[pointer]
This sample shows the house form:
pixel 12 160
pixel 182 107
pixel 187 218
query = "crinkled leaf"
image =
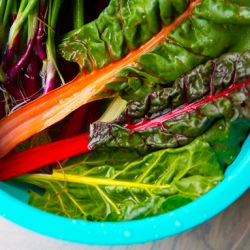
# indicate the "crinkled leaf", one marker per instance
pixel 237 11
pixel 204 113
pixel 153 184
pixel 175 116
pixel 123 25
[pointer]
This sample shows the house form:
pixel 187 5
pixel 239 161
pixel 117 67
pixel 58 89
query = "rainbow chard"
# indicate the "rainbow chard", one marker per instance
pixel 173 117
pixel 164 152
pixel 192 33
pixel 133 54
pixel 98 188
pixel 186 80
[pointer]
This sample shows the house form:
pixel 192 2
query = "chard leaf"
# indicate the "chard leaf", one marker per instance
pixel 150 185
pixel 172 117
pixel 175 35
pixel 237 11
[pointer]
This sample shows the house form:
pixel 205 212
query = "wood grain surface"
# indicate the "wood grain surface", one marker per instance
pixel 228 230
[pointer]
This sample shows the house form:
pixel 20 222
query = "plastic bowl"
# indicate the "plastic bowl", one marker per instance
pixel 14 207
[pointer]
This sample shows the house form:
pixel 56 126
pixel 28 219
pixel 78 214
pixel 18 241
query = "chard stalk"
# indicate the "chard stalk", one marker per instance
pixel 2 9
pixel 7 9
pixel 22 15
pixel 25 56
pixel 115 108
pixel 40 33
pixel 78 13
pixel 50 67
pixel 24 10
pixel 2 75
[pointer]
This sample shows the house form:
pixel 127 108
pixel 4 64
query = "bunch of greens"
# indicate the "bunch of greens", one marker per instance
pixel 180 84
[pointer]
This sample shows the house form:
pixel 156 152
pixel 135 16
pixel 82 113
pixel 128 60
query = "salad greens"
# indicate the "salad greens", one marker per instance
pixel 179 72
pixel 122 184
pixel 174 116
pixel 206 34
pixel 97 189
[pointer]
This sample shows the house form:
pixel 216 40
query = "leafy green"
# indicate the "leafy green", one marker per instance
pixel 175 116
pixel 211 29
pixel 156 183
pixel 172 144
pixel 123 25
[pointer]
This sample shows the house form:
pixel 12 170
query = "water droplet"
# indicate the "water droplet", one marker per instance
pixel 127 233
pixel 171 214
pixel 156 236
pixel 177 223
pixel 74 221
pixel 152 219
pixel 186 211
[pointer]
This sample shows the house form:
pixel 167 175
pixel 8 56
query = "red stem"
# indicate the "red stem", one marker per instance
pixel 187 108
pixel 22 162
pixel 18 163
pixel 74 125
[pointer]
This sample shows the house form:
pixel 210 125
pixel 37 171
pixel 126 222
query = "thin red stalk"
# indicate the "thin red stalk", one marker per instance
pixel 40 33
pixel 22 162
pixel 187 108
pixel 10 51
pixel 31 77
pixel 74 125
pixel 54 106
pixel 12 88
pixel 24 58
pixel 39 44
pixel 79 120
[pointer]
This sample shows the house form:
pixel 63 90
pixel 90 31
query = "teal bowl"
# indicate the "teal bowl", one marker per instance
pixel 14 207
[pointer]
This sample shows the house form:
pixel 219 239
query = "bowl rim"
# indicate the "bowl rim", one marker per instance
pixel 136 231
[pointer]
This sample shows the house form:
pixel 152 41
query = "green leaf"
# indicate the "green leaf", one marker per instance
pixel 149 185
pixel 227 12
pixel 213 28
pixel 123 25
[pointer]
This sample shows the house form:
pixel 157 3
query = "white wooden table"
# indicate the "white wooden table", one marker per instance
pixel 228 230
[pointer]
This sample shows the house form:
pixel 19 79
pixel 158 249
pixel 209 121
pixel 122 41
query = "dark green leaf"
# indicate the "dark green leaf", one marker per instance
pixel 175 116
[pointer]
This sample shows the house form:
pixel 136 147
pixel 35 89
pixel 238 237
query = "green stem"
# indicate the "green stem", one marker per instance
pixel 78 13
pixel 2 76
pixel 8 10
pixel 2 10
pixel 32 23
pixel 22 6
pixel 22 15
pixel 54 8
